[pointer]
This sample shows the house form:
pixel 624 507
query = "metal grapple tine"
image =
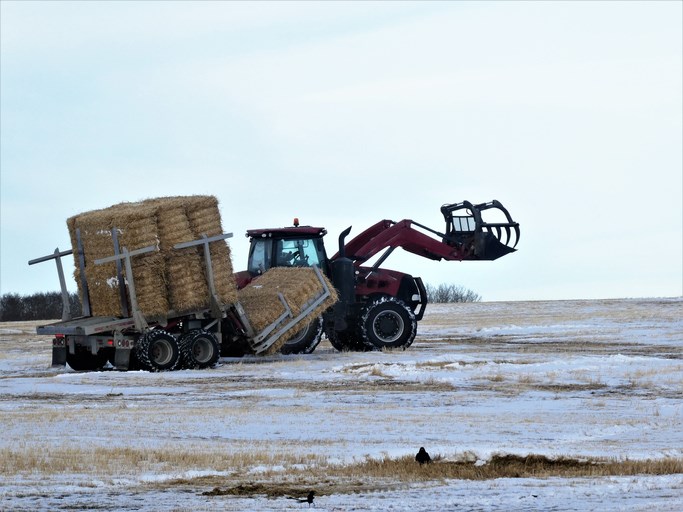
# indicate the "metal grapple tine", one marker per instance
pixel 516 236
pixel 507 232
pixel 498 233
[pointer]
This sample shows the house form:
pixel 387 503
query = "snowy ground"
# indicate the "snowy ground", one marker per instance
pixel 564 378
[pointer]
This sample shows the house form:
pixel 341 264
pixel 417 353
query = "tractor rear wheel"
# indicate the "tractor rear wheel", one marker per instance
pixel 305 341
pixel 157 350
pixel 199 349
pixel 387 322
pixel 346 341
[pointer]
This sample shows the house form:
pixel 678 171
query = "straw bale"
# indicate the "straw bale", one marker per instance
pixel 150 285
pixel 185 281
pixel 136 229
pixel 205 219
pixel 168 280
pixel 299 286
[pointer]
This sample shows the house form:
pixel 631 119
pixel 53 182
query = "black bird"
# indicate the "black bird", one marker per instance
pixel 422 456
pixel 308 499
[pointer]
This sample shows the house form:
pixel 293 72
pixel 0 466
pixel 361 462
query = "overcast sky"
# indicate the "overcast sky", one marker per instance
pixel 346 113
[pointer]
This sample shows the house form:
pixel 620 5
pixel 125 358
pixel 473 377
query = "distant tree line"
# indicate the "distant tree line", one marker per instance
pixel 445 293
pixel 39 306
pixel 48 305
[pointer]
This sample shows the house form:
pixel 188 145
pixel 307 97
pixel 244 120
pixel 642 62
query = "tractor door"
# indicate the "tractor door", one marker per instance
pixel 260 256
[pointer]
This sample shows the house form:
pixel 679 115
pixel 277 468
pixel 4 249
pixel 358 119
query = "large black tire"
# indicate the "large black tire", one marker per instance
pixel 157 351
pixel 305 341
pixel 387 322
pixel 199 349
pixel 346 341
pixel 84 360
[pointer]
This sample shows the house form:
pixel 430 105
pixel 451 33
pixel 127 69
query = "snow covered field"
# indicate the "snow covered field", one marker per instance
pixel 574 379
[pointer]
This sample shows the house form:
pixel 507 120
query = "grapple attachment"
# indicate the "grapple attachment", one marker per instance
pixel 479 239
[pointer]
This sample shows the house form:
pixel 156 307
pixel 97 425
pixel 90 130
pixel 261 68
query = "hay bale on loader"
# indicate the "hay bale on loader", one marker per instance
pixel 167 280
pixel 300 288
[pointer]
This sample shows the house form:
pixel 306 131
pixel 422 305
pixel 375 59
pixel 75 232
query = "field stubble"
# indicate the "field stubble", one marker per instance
pixel 493 387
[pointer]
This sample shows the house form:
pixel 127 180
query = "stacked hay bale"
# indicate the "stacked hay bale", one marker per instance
pixel 204 218
pixel 185 282
pixel 300 287
pixel 166 280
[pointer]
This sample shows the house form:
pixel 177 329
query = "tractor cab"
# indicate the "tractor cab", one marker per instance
pixel 296 246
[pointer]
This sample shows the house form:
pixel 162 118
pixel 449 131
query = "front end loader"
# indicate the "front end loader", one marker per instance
pixel 379 308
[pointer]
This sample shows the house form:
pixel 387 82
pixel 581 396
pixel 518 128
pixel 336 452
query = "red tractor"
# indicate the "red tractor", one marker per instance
pixel 378 308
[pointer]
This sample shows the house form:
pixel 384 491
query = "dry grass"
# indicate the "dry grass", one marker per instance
pixel 129 460
pixel 514 466
pixel 290 466
pixel 373 474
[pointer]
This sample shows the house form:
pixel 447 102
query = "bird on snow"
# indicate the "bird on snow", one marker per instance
pixel 308 499
pixel 422 456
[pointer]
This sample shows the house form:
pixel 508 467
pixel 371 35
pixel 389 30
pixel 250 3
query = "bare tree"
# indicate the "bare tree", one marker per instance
pixel 445 293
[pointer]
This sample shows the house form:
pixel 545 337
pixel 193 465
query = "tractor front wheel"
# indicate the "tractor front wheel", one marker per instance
pixel 387 322
pixel 305 341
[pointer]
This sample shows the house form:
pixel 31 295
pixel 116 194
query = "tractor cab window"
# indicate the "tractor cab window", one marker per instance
pixel 296 253
pixel 259 256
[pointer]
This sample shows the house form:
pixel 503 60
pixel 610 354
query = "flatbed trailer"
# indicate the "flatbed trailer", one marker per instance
pixel 193 339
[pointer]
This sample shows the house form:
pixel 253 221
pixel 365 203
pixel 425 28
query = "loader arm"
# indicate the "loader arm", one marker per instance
pixel 389 234
pixel 467 237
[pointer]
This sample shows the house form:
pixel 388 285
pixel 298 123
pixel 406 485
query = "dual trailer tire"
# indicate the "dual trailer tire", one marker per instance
pixel 159 350
pixel 199 349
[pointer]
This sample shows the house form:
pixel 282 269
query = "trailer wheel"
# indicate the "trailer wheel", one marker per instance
pixel 84 360
pixel 387 322
pixel 199 349
pixel 157 350
pixel 305 341
pixel 346 341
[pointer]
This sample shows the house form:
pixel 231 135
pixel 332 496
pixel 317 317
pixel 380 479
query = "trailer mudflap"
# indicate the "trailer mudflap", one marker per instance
pixel 122 358
pixel 58 356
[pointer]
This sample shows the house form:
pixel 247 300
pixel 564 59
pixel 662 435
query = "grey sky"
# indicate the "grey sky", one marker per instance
pixel 569 113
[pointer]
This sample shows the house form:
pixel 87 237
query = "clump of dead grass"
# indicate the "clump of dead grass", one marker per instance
pixel 128 460
pixel 263 472
pixel 383 473
pixel 511 466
